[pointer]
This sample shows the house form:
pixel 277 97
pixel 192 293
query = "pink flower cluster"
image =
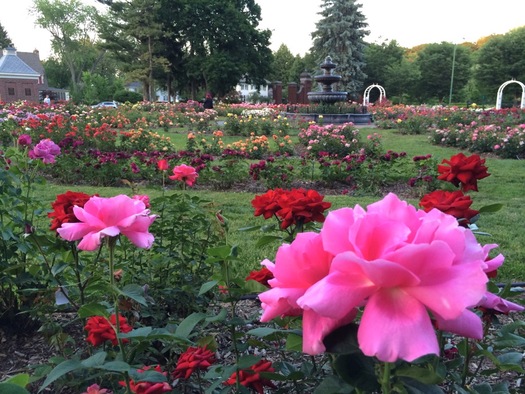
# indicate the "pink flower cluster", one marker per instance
pixel 46 150
pixel 407 270
pixel 108 217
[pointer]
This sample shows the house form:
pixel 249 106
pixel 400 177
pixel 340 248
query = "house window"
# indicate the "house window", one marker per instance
pixel 28 91
pixel 11 91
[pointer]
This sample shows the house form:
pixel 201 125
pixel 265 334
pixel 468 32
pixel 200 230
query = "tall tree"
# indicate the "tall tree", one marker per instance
pixel 380 59
pixel 72 28
pixel 132 30
pixel 5 41
pixel 499 60
pixel 283 61
pixel 435 63
pixel 203 44
pixel 340 34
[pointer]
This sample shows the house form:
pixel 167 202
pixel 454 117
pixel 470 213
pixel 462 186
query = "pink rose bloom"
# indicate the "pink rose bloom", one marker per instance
pixel 184 173
pixel 399 264
pixel 297 267
pixel 46 150
pixel 24 140
pixel 110 217
pixel 144 198
pixel 95 389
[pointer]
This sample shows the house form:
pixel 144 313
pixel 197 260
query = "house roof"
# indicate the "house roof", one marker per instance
pixel 32 59
pixel 11 63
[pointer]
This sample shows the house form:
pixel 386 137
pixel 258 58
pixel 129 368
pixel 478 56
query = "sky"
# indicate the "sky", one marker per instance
pixel 409 22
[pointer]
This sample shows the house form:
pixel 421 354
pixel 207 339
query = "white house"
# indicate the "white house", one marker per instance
pixel 246 90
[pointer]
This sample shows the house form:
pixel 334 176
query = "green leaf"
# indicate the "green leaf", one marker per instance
pixel 92 310
pixel 343 340
pixel 60 370
pixel 22 379
pixel 416 387
pixel 490 208
pixel 221 252
pixel 142 332
pixel 294 343
pixel 147 376
pixel 221 316
pixel 207 286
pixel 247 361
pixel 334 385
pixel 249 228
pixel 135 292
pixel 357 370
pixel 11 388
pixel 115 366
pixel 267 239
pixel 58 268
pixel 262 332
pixel 187 325
pixel 426 375
pixel 95 360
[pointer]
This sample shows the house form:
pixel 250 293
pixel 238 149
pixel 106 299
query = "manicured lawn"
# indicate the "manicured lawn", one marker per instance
pixel 505 186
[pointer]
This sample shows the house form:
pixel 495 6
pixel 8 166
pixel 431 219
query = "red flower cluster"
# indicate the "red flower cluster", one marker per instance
pixel 453 203
pixel 464 171
pixel 193 358
pixel 295 206
pixel 251 377
pixel 63 208
pixel 262 276
pixel 100 329
pixel 148 387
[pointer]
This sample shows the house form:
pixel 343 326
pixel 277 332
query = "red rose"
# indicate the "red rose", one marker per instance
pixel 301 206
pixel 267 204
pixel 251 377
pixel 464 171
pixel 148 387
pixel 454 203
pixel 295 206
pixel 63 208
pixel 262 276
pixel 100 329
pixel 163 165
pixel 193 358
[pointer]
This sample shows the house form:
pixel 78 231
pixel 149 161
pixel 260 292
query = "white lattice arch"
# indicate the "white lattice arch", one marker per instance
pixel 500 93
pixel 382 93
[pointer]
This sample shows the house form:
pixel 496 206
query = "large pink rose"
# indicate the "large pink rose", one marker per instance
pixel 184 173
pixel 110 217
pixel 399 264
pixel 297 268
pixel 46 150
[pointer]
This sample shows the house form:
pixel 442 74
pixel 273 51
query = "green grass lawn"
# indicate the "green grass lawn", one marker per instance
pixel 506 185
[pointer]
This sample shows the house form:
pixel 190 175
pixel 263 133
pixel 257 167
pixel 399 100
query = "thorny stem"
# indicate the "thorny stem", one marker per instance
pixel 112 241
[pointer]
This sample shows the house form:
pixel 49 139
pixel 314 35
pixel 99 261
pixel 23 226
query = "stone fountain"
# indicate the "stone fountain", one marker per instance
pixel 327 95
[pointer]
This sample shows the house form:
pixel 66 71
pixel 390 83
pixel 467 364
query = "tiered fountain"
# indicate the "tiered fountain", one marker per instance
pixel 328 96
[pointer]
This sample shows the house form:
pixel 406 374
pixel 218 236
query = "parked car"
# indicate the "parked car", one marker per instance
pixel 106 104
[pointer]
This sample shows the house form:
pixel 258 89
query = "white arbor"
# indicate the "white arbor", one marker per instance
pixel 500 93
pixel 382 93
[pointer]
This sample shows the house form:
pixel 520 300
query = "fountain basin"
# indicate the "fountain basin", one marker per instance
pixel 357 119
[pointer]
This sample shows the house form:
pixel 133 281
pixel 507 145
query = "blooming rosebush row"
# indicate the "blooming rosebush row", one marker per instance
pixel 500 132
pixel 378 288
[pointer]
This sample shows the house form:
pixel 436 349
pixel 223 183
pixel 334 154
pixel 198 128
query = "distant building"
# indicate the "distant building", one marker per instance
pixel 22 77
pixel 161 94
pixel 246 90
pixel 18 81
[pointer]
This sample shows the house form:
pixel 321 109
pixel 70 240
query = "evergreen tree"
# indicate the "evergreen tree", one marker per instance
pixel 283 61
pixel 340 34
pixel 5 41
